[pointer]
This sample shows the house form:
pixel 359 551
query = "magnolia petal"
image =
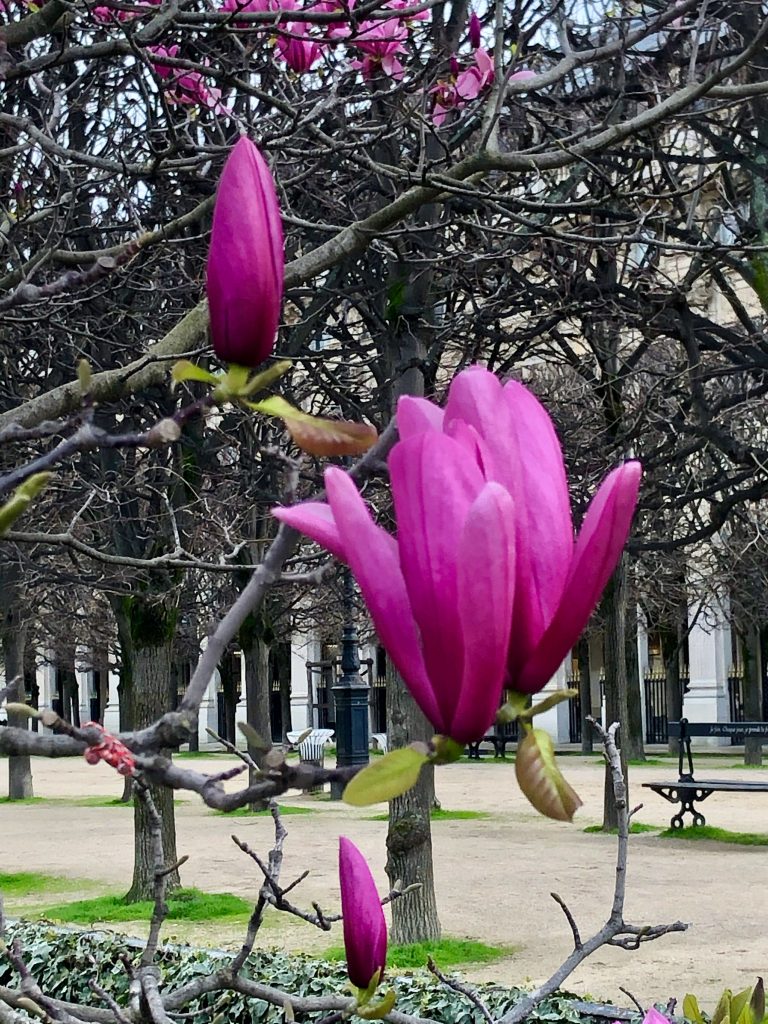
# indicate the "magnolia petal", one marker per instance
pixel 543 515
pixel 372 555
pixel 486 583
pixel 601 540
pixel 315 519
pixel 415 415
pixel 433 486
pixel 365 930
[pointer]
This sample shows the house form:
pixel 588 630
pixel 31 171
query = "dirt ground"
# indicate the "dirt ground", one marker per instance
pixel 493 876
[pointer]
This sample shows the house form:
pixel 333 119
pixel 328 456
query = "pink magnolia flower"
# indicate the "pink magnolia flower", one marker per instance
pixel 184 87
pixel 299 54
pixel 248 7
pixel 381 41
pixel 245 260
pixel 403 6
pixel 474 28
pixel 557 582
pixel 483 587
pixel 365 931
pixel 463 86
pixel 441 594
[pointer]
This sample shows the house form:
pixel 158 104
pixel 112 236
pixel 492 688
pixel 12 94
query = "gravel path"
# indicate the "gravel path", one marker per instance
pixel 493 876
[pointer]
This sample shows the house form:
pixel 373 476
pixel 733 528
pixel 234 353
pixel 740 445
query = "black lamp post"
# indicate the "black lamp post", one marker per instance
pixel 350 695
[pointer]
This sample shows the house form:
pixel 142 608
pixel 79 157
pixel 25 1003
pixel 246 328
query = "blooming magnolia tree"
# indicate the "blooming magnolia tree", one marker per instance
pixel 455 187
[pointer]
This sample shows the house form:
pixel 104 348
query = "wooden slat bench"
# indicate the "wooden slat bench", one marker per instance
pixel 688 791
pixel 498 736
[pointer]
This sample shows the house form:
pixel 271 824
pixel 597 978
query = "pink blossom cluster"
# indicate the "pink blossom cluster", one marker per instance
pixel 182 86
pixel 378 42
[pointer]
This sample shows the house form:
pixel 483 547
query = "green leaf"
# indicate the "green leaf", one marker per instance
pixel 265 378
pixel 186 370
pixel 722 1013
pixel 379 1010
pixel 549 702
pixel 385 778
pixel 21 499
pixel 540 779
pixel 316 435
pixel 739 1003
pixel 691 1009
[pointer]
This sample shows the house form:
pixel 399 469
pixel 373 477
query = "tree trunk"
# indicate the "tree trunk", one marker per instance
pixel 13 633
pixel 409 837
pixel 70 693
pixel 229 673
pixel 634 734
pixel 673 687
pixel 19 767
pixel 753 694
pixel 119 607
pixel 257 688
pixel 614 608
pixel 152 626
pixel 585 695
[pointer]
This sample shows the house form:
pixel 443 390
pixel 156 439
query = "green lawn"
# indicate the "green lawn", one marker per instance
pixel 183 905
pixel 246 812
pixel 636 828
pixel 720 835
pixel 445 953
pixel 22 884
pixel 442 815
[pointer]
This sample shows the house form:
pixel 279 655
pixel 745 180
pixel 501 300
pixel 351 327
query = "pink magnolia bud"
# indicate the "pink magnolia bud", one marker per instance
pixel 245 260
pixel 454 65
pixel 474 30
pixel 365 931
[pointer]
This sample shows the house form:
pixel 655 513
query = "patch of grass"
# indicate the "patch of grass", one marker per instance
pixel 246 812
pixel 636 828
pixel 653 762
pixel 26 800
pixel 442 815
pixel 445 953
pixel 183 905
pixel 720 835
pixel 30 883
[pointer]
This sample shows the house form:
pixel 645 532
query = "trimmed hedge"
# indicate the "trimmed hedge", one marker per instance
pixel 62 961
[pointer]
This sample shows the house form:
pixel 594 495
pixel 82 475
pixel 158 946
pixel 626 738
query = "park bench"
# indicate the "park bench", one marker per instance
pixel 498 736
pixel 688 791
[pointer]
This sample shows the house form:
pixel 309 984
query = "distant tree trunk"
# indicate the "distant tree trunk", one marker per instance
pixel 20 785
pixel 152 627
pixel 70 690
pixel 409 838
pixel 125 682
pixel 257 681
pixel 614 609
pixel 673 687
pixel 13 633
pixel 282 655
pixel 229 673
pixel 634 735
pixel 585 695
pixel 752 694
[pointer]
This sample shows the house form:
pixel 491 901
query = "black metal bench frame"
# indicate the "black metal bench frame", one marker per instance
pixel 688 791
pixel 499 740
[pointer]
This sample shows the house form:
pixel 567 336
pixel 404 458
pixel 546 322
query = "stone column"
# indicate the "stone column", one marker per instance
pixel 303 649
pixel 555 721
pixel 709 653
pixel 112 710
